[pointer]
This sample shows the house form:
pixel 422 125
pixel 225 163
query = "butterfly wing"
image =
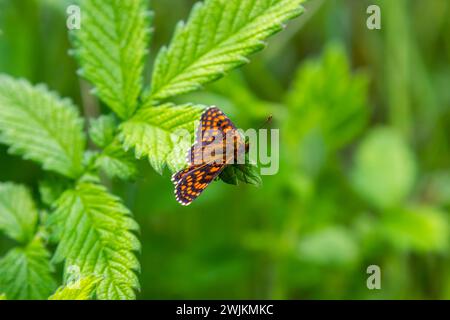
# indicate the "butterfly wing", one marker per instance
pixel 203 169
pixel 212 120
pixel 176 177
pixel 212 123
pixel 190 182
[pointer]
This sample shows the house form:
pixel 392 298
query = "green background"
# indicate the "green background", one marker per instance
pixel 364 119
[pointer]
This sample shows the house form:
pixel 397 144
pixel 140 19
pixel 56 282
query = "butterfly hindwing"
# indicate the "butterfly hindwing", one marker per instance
pixel 190 182
pixel 176 177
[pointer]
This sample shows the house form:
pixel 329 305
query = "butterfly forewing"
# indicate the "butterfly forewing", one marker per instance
pixel 211 136
pixel 212 121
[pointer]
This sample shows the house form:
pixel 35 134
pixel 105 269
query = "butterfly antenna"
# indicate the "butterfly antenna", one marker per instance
pixel 266 122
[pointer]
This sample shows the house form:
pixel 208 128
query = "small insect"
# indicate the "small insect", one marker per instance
pixel 217 144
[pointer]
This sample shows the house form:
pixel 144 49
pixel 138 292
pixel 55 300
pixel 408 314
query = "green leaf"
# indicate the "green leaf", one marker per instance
pixel 51 188
pixel 155 132
pixel 102 130
pixel 333 245
pixel 326 99
pixel 83 289
pixel 115 162
pixel 385 169
pixel 18 214
pixel 95 233
pixel 2 297
pixel 40 126
pixel 247 173
pixel 418 228
pixel 229 176
pixel 110 47
pixel 26 273
pixel 218 37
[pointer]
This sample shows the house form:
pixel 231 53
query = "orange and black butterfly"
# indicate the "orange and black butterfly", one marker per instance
pixel 217 145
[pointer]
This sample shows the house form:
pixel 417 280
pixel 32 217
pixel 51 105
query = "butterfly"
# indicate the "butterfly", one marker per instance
pixel 217 145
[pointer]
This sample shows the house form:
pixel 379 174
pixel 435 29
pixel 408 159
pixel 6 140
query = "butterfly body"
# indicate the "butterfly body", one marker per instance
pixel 217 145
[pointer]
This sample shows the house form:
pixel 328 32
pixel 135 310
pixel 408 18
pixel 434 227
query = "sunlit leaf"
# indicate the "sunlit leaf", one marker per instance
pixel 96 234
pixel 218 36
pixel 26 272
pixel 155 132
pixel 83 289
pixel 110 47
pixel 115 162
pixel 39 125
pixel 102 130
pixel 18 213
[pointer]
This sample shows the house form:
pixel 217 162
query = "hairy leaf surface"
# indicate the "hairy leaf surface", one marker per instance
pixel 26 272
pixel 162 133
pixel 110 47
pixel 218 36
pixel 40 126
pixel 96 234
pixel 18 214
pixel 83 289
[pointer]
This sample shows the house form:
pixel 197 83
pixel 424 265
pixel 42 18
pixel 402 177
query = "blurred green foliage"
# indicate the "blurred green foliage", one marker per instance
pixel 364 119
pixel 384 171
